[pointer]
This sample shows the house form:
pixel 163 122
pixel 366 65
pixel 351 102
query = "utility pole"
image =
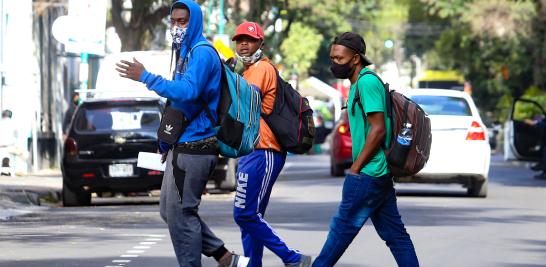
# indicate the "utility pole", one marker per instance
pixel 2 40
pixel 221 20
pixel 210 6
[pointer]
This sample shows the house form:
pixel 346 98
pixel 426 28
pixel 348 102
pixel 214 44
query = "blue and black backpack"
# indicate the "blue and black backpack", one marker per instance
pixel 238 113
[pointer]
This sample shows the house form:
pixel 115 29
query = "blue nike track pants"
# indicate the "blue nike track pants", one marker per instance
pixel 256 174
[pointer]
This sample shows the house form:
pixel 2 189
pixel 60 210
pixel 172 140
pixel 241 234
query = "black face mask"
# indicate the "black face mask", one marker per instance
pixel 342 71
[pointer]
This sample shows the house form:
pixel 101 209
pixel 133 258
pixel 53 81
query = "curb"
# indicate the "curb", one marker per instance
pixel 23 195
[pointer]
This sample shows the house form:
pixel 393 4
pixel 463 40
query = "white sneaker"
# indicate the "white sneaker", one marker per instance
pixel 239 261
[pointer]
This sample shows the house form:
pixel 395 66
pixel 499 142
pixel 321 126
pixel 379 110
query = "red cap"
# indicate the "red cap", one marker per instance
pixel 251 29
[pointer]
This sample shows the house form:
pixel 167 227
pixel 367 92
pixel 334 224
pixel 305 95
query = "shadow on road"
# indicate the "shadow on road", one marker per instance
pixel 83 262
pixel 317 216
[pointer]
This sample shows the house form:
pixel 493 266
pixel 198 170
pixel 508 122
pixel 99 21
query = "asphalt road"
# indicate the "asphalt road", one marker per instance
pixel 508 228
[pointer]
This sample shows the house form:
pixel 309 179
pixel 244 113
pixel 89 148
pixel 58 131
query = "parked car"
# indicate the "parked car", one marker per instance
pixel 341 156
pixel 460 151
pixel 523 141
pixel 493 130
pixel 102 146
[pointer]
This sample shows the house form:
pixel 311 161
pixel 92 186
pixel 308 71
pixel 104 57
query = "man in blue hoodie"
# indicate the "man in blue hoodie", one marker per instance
pixel 190 162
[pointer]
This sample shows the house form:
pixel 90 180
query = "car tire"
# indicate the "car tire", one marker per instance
pixel 74 198
pixel 229 182
pixel 477 188
pixel 337 170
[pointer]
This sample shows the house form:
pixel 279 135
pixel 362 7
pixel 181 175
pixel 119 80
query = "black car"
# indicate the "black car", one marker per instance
pixel 102 146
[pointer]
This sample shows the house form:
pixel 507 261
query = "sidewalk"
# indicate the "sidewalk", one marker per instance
pixel 25 194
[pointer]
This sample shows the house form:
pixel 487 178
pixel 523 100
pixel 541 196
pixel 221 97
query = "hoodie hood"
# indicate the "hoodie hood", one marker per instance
pixel 194 33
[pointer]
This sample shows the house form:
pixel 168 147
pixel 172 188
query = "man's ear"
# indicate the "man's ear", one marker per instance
pixel 358 59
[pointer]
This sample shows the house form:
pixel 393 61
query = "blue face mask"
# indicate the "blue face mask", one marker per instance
pixel 178 35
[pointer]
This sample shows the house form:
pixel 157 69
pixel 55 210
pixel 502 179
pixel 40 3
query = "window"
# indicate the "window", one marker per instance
pixel 443 105
pixel 121 118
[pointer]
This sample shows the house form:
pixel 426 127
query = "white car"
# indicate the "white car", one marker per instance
pixel 460 151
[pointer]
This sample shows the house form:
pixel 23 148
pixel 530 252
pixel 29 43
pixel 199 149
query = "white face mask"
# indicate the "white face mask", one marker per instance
pixel 248 60
pixel 178 35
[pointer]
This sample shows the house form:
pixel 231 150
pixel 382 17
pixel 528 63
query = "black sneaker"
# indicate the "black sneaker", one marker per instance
pixel 536 167
pixel 541 176
pixel 305 261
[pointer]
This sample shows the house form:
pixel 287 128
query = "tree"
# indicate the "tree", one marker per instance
pixel 539 36
pixel 492 42
pixel 300 48
pixel 144 16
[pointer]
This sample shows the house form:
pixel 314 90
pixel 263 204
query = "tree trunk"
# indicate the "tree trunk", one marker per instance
pixel 143 21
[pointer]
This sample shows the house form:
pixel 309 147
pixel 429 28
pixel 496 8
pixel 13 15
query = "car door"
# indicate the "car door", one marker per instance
pixel 523 141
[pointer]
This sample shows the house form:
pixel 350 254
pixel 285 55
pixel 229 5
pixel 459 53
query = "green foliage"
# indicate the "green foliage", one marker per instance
pixel 500 18
pixel 300 48
pixel 491 43
pixel 529 110
pixel 446 8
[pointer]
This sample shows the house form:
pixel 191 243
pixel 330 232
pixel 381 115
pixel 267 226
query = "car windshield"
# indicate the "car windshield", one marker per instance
pixel 443 105
pixel 104 119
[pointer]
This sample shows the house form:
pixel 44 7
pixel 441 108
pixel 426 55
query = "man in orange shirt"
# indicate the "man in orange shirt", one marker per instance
pixel 258 171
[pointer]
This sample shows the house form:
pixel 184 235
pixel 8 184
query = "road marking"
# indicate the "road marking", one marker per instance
pixel 143 235
pixel 139 249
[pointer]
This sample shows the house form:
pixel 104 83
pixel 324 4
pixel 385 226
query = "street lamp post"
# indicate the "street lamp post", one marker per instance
pixel 221 21
pixel 2 39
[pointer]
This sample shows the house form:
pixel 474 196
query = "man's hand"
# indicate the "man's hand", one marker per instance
pixel 373 141
pixel 355 170
pixel 131 70
pixel 530 122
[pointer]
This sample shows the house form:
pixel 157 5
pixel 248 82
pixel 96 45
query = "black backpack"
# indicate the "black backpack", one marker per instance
pixel 291 119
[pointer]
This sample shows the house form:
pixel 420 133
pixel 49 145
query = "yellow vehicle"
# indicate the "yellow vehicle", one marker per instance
pixel 441 80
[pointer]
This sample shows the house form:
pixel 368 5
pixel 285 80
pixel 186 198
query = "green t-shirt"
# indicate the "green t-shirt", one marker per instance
pixel 372 96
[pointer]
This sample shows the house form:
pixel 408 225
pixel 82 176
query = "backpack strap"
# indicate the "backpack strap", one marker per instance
pixel 205 104
pixel 277 95
pixel 388 100
pixel 387 96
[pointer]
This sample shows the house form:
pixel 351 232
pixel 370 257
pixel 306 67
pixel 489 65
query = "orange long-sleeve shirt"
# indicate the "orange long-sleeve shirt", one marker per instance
pixel 263 75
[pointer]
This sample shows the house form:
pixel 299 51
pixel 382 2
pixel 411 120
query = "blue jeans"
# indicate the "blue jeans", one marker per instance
pixel 366 197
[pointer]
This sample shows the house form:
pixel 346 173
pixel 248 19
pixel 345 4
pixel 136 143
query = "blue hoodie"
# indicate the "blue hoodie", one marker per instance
pixel 201 80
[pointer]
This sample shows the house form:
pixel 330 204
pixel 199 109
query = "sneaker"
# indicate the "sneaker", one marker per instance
pixel 305 261
pixel 541 176
pixel 234 260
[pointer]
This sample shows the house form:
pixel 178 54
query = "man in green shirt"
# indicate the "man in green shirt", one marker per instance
pixel 368 190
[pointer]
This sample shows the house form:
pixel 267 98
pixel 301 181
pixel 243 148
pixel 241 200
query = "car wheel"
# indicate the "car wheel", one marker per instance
pixel 73 198
pixel 228 182
pixel 337 169
pixel 477 188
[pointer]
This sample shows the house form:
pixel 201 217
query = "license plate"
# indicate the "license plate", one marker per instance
pixel 121 170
